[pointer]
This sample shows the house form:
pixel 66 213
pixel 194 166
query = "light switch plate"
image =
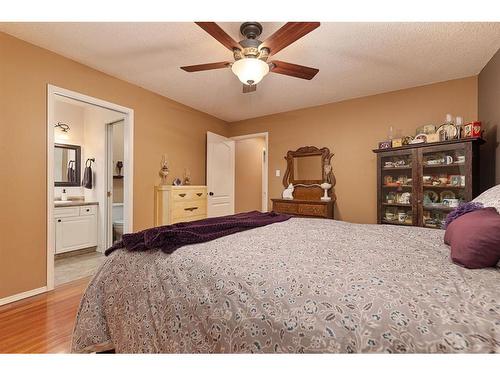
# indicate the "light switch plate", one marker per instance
pixel 278 173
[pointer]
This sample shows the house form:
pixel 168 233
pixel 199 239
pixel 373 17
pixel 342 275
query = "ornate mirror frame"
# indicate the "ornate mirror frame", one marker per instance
pixel 326 156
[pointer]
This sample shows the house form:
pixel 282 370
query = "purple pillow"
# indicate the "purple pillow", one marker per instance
pixel 462 209
pixel 475 238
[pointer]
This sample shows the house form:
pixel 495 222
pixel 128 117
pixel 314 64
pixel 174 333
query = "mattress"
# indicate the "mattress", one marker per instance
pixel 300 286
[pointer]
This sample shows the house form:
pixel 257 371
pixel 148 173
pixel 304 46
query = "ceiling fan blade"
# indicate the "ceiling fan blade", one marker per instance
pixel 216 31
pixel 209 66
pixel 249 88
pixel 293 70
pixel 286 35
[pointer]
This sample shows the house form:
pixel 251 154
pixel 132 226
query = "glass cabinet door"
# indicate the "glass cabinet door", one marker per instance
pixel 397 189
pixel 444 183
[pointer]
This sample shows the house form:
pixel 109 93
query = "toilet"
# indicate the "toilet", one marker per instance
pixel 117 221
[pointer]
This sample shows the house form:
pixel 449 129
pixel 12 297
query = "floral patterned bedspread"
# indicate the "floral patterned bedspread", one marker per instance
pixel 304 285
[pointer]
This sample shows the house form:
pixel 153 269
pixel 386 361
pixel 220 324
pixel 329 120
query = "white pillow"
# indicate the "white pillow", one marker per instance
pixel 490 198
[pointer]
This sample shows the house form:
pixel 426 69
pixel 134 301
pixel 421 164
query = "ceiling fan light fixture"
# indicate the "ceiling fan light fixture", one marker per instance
pixel 250 71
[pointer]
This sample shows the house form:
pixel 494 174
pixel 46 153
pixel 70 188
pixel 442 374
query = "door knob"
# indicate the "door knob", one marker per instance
pixel 211 193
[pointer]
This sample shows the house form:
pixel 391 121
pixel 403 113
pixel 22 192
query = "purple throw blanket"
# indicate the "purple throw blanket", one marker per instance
pixel 171 237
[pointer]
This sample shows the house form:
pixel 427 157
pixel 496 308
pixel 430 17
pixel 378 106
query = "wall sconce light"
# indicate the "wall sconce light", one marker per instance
pixel 64 127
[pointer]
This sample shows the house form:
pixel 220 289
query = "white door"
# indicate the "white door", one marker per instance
pixel 220 175
pixel 109 186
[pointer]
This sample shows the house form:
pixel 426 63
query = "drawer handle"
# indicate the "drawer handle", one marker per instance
pixel 190 209
pixel 182 195
pixel 199 194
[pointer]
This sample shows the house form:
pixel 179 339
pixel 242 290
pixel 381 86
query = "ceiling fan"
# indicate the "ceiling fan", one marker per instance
pixel 251 55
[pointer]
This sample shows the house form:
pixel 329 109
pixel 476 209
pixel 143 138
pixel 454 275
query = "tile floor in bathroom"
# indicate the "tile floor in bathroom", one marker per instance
pixel 73 267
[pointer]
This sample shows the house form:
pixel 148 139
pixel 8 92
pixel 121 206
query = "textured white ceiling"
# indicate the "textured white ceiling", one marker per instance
pixel 354 59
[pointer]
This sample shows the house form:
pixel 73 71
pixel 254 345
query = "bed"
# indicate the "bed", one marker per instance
pixel 303 285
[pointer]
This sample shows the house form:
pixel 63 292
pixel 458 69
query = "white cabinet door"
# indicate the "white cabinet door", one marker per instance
pixel 76 232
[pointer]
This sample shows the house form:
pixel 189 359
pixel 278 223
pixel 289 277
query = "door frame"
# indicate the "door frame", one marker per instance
pixel 265 166
pixel 128 132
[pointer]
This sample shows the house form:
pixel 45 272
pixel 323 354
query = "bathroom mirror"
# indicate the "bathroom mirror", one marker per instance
pixel 67 162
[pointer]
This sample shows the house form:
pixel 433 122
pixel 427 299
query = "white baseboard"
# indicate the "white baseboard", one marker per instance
pixel 19 296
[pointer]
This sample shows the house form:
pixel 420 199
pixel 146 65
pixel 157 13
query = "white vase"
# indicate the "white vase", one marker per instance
pixel 325 186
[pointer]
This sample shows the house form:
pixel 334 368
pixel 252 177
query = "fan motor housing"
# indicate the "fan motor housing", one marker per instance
pixel 251 30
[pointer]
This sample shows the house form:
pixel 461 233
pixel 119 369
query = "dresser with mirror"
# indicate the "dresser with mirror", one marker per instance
pixel 308 183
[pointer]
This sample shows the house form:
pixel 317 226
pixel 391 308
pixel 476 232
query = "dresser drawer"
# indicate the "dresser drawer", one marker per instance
pixel 304 208
pixel 88 210
pixel 189 209
pixel 312 210
pixel 188 194
pixel 66 211
pixel 285 207
pixel 191 218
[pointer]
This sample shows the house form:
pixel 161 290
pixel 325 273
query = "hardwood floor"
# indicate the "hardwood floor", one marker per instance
pixel 43 323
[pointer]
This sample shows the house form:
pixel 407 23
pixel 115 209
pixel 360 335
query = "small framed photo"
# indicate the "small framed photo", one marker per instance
pixel 456 180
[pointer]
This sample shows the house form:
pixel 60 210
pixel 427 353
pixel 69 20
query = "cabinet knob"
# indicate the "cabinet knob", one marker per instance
pixel 211 193
pixel 58 220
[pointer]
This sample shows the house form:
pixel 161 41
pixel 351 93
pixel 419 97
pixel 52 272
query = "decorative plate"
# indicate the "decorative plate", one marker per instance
pixel 447 194
pixel 430 196
pixel 450 130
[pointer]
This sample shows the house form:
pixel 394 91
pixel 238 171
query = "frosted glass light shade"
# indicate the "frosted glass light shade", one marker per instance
pixel 250 71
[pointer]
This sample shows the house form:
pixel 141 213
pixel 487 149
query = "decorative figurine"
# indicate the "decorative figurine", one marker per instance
pixel 327 169
pixel 164 170
pixel 187 177
pixel 288 192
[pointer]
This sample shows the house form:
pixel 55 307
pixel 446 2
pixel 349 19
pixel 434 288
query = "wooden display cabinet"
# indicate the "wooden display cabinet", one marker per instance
pixel 419 184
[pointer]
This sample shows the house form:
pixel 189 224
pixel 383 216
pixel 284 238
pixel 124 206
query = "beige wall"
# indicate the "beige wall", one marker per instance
pixel 351 129
pixel 248 174
pixel 161 126
pixel 489 115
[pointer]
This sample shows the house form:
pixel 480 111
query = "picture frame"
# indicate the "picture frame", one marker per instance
pixel 456 180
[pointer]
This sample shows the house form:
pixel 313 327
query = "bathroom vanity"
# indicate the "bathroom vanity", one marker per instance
pixel 75 225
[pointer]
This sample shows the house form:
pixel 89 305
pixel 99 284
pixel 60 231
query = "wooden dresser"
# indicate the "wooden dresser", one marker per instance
pixel 174 204
pixel 307 168
pixel 305 208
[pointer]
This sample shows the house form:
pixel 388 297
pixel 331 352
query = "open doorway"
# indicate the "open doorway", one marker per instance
pixel 251 168
pixel 79 195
